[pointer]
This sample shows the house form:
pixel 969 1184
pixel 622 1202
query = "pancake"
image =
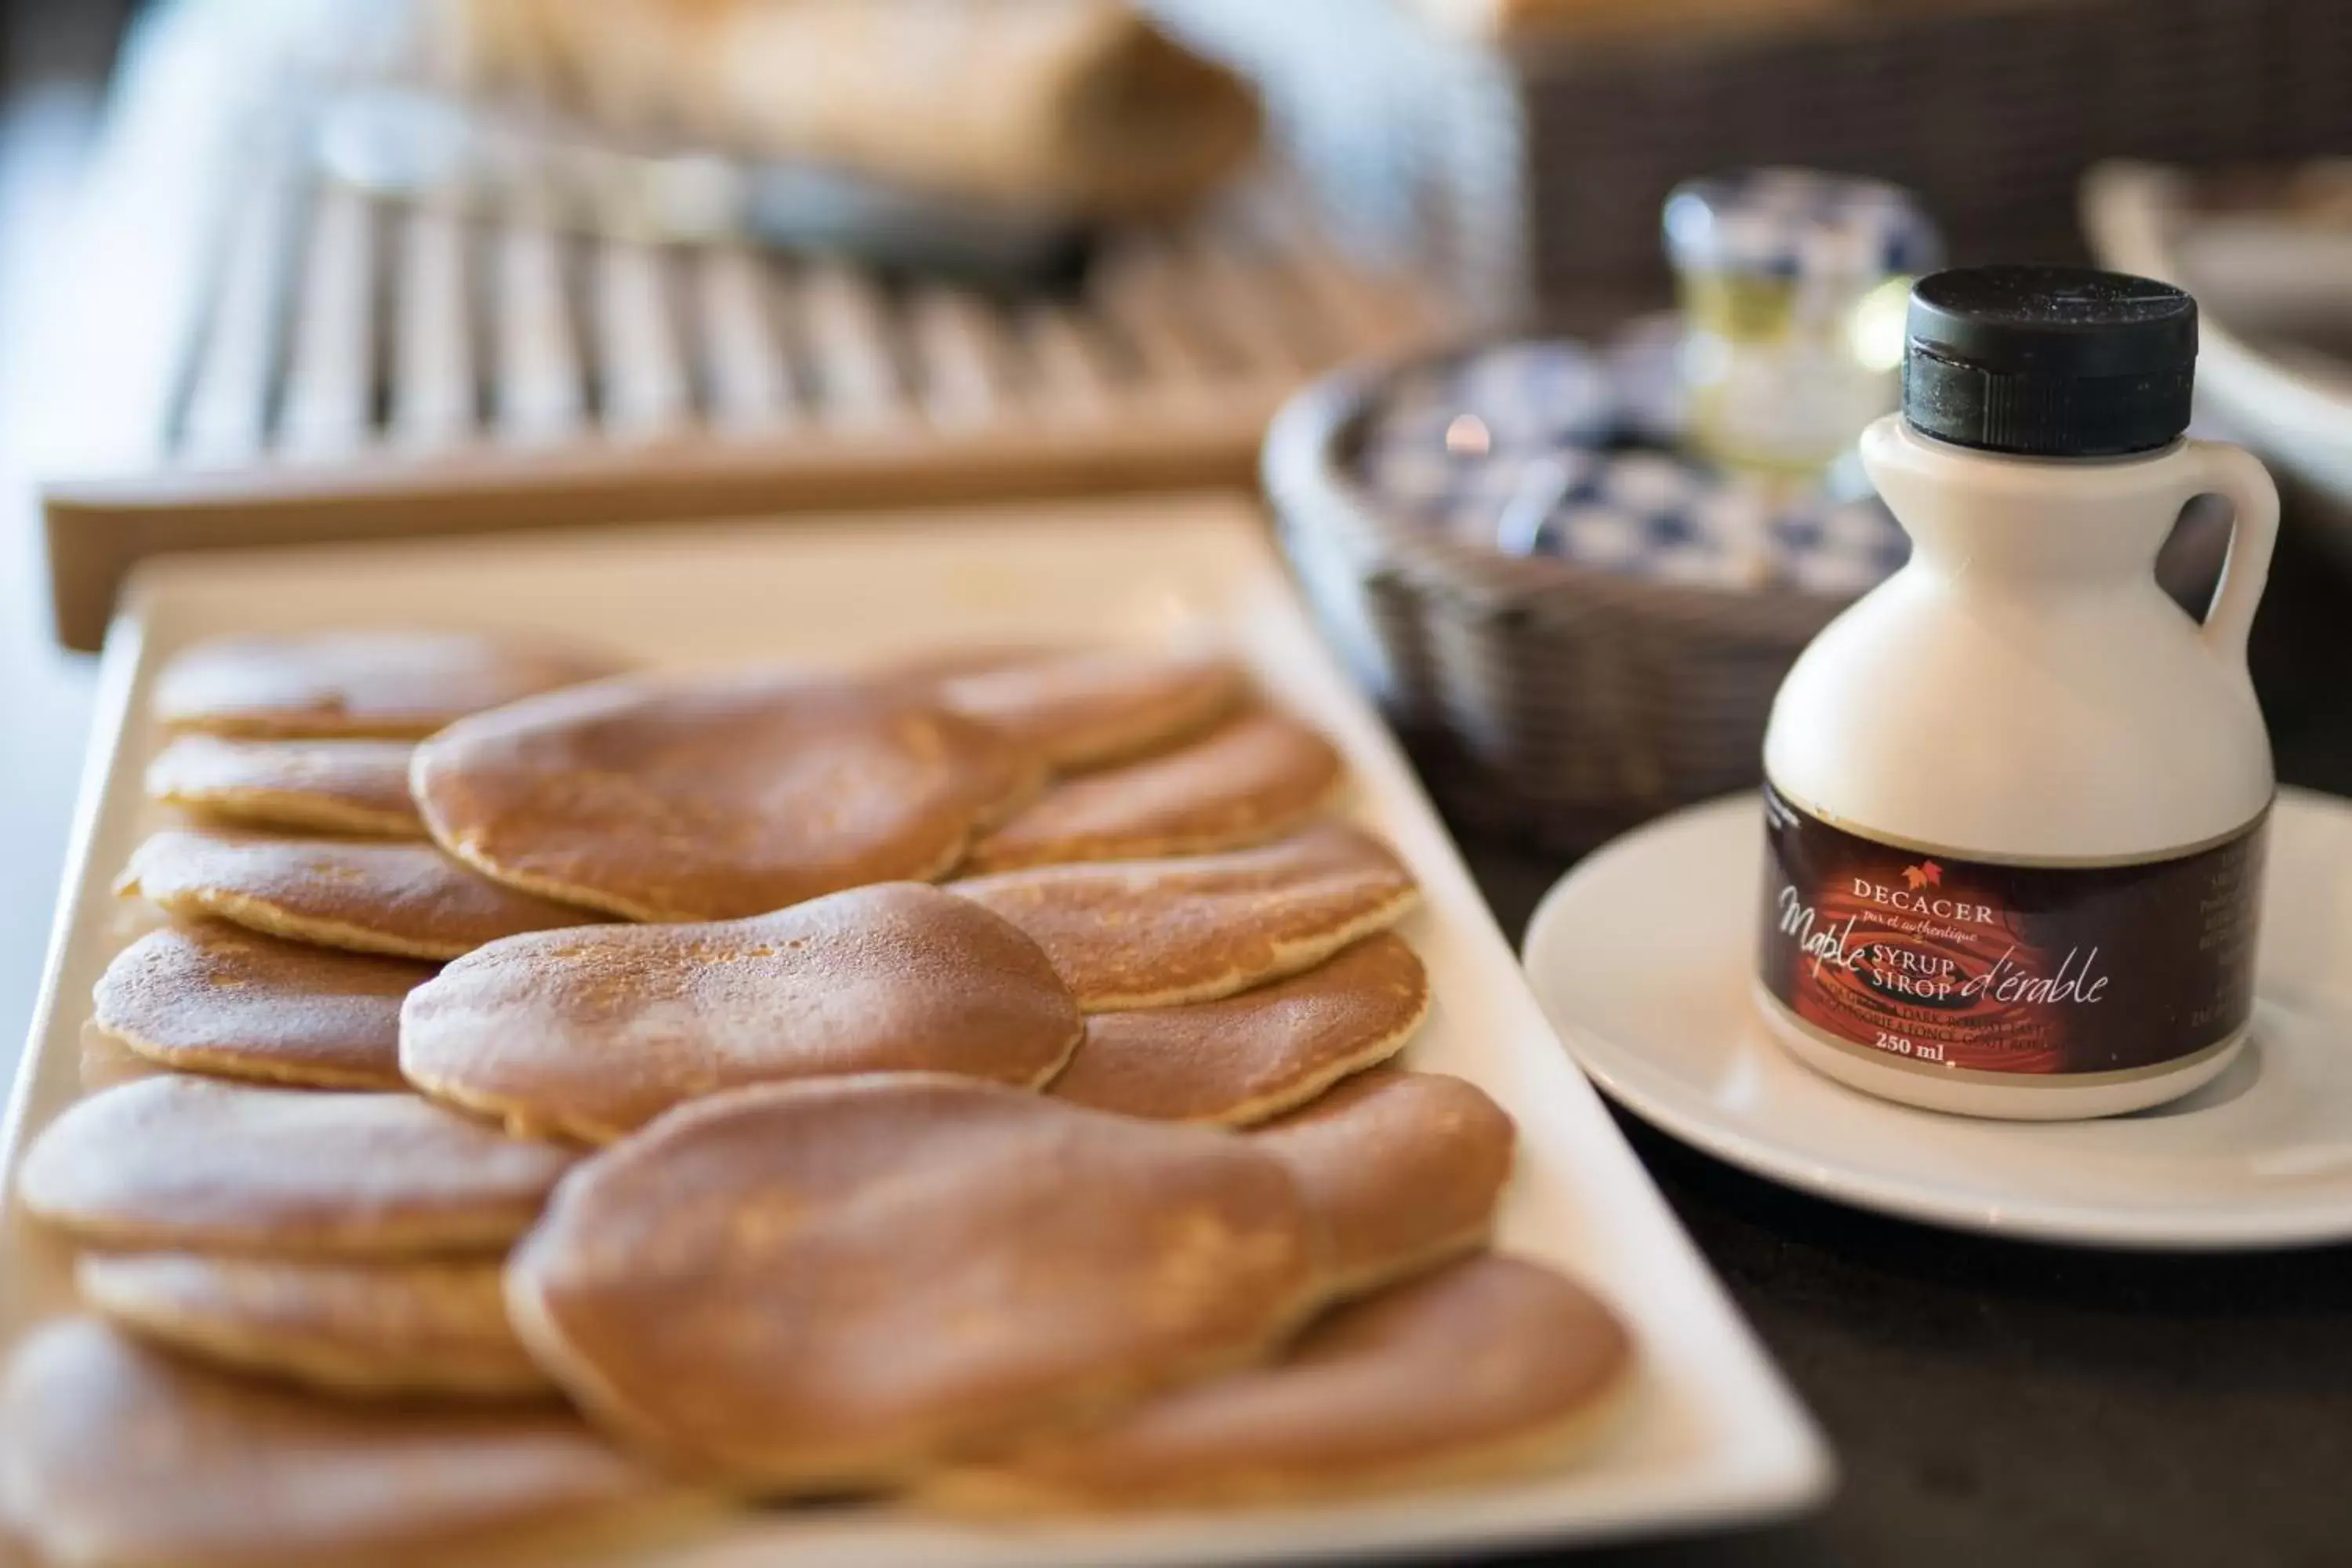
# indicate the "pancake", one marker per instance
pixel 409 900
pixel 1488 1368
pixel 1246 1058
pixel 1084 710
pixel 1254 779
pixel 1402 1169
pixel 389 685
pixel 831 1284
pixel 114 1452
pixel 177 1163
pixel 953 660
pixel 594 1033
pixel 1153 933
pixel 367 1328
pixel 719 796
pixel 299 786
pixel 104 1061
pixel 212 997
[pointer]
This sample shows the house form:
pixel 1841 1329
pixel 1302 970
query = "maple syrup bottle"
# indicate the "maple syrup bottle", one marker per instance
pixel 2015 798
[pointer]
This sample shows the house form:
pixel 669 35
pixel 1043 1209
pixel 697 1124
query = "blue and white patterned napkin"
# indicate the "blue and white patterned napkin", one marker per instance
pixel 1525 446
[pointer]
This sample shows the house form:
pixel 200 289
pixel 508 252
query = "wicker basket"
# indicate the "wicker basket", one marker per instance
pixel 1544 700
pixel 1531 174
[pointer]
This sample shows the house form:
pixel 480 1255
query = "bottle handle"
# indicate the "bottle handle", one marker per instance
pixel 2218 468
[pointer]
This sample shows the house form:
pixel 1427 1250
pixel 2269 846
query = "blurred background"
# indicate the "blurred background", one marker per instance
pixel 1545 325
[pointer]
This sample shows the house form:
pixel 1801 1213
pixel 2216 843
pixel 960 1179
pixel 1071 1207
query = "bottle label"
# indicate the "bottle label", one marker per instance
pixel 1950 963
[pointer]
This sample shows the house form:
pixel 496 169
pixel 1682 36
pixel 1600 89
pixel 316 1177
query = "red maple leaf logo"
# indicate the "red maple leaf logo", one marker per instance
pixel 1925 874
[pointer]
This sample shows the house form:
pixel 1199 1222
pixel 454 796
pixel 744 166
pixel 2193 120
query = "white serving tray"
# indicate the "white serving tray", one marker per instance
pixel 1715 1436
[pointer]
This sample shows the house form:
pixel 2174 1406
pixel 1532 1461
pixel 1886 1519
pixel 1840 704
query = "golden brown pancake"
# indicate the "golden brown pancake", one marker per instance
pixel 178 1162
pixel 1403 1169
pixel 389 685
pixel 717 796
pixel 213 997
pixel 112 1451
pixel 833 1284
pixel 594 1033
pixel 298 786
pixel 1489 1367
pixel 951 661
pixel 427 1327
pixel 104 1061
pixel 407 899
pixel 1246 1058
pixel 1153 933
pixel 1254 779
pixel 1085 710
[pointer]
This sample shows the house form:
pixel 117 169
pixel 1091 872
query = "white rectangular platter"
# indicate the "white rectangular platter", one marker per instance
pixel 1715 1438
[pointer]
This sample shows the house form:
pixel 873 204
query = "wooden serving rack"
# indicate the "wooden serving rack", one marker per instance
pixel 257 356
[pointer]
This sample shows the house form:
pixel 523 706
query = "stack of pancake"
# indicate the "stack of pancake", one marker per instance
pixel 960 1080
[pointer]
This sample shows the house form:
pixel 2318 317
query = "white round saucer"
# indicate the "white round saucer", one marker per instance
pixel 1640 956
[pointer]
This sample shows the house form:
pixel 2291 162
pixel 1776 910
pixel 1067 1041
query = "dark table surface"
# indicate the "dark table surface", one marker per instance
pixel 2008 1404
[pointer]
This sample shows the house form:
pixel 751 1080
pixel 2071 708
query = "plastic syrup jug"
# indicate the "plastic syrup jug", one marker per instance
pixel 2015 798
